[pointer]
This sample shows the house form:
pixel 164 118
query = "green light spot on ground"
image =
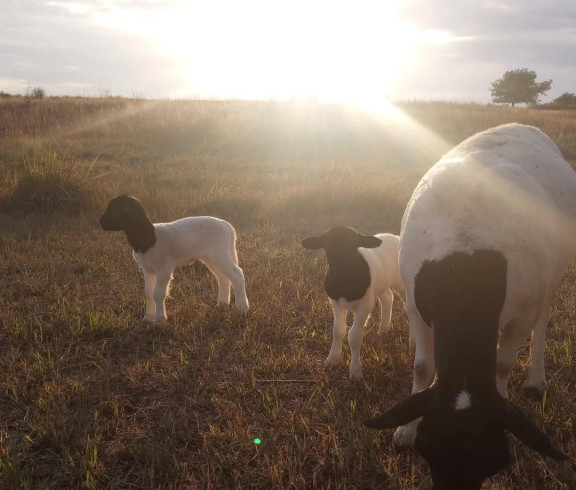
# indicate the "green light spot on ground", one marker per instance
pixel 257 441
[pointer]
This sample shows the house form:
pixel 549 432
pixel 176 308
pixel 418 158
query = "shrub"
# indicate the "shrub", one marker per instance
pixel 53 183
pixel 35 92
pixel 565 101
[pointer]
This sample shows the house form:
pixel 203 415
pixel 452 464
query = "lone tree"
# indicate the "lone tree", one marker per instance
pixel 517 87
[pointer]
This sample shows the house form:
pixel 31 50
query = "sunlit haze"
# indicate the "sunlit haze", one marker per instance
pixel 333 51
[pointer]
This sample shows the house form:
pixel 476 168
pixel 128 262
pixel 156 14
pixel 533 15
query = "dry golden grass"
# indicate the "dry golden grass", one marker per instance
pixel 93 398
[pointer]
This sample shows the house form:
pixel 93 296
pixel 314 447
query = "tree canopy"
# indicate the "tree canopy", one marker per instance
pixel 566 100
pixel 517 87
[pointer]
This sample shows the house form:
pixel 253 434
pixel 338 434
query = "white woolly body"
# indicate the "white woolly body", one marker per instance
pixel 160 248
pixel 507 189
pixel 210 240
pixel 384 273
pixel 186 240
pixel 383 263
pixel 384 279
pixel 519 199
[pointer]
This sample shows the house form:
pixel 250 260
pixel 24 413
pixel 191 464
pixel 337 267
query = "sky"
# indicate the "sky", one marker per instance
pixel 338 51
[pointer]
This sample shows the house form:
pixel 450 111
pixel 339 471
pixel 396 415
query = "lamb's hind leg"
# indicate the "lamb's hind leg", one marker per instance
pixel 224 284
pixel 236 277
pixel 386 302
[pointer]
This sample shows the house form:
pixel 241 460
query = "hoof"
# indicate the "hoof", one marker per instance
pixel 331 362
pixel 242 304
pixel 243 309
pixel 404 437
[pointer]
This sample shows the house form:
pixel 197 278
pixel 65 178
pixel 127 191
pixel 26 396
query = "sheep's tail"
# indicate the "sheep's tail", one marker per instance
pixel 233 252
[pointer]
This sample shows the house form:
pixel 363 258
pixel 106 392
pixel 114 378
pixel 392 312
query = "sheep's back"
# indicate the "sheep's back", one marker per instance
pixel 195 238
pixel 504 197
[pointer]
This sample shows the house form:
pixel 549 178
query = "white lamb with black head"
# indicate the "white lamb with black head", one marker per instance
pixel 361 268
pixel 161 247
pixel 485 239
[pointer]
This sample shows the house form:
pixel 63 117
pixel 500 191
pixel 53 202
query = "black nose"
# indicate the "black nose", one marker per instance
pixel 104 222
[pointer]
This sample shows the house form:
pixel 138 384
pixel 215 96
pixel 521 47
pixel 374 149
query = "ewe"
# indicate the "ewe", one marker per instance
pixel 161 247
pixel 485 238
pixel 361 268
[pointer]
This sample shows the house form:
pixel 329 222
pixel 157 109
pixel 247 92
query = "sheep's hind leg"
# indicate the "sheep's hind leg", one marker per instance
pixel 423 336
pixel 513 335
pixel 536 384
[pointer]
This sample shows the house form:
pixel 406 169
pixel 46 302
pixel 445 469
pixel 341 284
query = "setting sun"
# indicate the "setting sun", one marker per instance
pixel 330 51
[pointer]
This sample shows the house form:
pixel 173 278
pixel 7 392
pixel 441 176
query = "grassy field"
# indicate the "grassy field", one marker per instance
pixel 91 397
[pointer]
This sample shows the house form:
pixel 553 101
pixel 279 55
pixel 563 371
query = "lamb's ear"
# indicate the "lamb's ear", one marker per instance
pixel 518 424
pixel 417 405
pixel 368 241
pixel 313 242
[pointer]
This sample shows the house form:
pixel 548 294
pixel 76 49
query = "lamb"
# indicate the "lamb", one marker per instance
pixel 361 268
pixel 161 247
pixel 484 241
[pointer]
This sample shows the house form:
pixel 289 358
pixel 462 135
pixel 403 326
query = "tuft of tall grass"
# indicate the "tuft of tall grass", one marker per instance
pixel 53 183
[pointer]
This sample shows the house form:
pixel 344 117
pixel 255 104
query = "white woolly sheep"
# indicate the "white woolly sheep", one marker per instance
pixel 361 268
pixel 161 247
pixel 484 241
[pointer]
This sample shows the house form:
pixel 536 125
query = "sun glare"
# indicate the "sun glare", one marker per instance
pixel 329 51
pixel 332 51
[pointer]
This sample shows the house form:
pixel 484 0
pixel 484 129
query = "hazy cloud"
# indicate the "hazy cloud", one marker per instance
pixel 502 35
pixel 80 47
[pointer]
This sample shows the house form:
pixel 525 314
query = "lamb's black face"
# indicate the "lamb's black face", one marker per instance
pixel 120 213
pixel 341 241
pixel 125 213
pixel 462 448
pixel 348 274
